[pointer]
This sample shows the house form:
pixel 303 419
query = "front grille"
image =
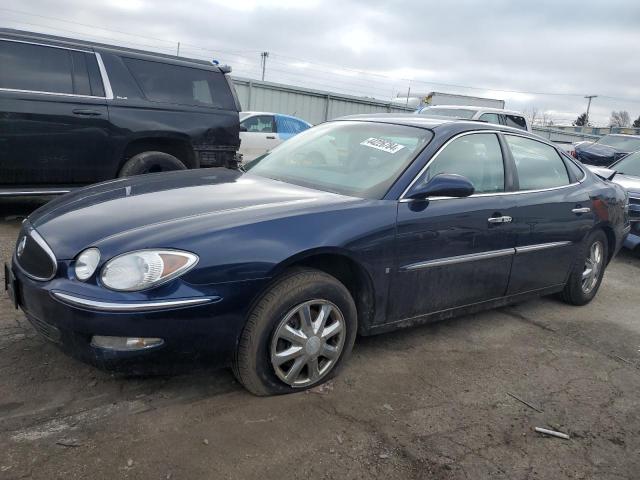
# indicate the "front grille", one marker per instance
pixel 45 329
pixel 34 256
pixel 634 201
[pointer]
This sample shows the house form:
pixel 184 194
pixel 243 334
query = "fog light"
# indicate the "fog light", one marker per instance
pixel 125 344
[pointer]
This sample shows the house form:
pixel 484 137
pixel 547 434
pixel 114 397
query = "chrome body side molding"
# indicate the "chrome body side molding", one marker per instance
pixel 142 306
pixel 474 257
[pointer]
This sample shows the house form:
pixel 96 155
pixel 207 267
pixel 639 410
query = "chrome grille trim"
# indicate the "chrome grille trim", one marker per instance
pixel 31 232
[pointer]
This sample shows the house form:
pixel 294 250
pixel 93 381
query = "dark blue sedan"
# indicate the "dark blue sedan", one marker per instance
pixel 356 226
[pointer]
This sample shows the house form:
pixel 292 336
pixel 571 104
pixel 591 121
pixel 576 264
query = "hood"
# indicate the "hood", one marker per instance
pixel 222 196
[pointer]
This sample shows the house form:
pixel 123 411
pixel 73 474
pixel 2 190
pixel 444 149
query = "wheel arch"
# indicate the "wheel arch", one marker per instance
pixel 178 146
pixel 341 265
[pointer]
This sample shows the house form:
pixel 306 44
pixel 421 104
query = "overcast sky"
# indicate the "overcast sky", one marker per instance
pixel 373 48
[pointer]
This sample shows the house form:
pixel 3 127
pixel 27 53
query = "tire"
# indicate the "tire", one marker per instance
pixel 150 162
pixel 281 308
pixel 576 291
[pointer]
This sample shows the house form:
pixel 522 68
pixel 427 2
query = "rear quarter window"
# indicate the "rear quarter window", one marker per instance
pixel 516 121
pixel 166 83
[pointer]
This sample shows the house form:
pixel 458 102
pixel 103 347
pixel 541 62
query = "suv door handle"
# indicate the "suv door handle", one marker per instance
pixel 86 112
pixel 579 210
pixel 504 219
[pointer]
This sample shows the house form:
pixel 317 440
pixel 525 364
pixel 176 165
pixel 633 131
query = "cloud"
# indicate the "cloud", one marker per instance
pixel 373 47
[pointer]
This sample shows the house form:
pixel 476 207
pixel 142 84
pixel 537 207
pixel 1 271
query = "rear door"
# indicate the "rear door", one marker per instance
pixel 551 214
pixel 453 252
pixel 258 135
pixel 54 126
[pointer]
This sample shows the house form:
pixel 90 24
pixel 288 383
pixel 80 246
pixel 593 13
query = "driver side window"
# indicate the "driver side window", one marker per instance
pixel 478 157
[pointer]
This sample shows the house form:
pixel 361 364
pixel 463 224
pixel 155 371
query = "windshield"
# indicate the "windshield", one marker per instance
pixel 462 113
pixel 360 159
pixel 624 143
pixel 629 165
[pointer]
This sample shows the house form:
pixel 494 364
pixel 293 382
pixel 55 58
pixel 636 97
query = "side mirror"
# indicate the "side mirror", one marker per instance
pixel 243 128
pixel 444 185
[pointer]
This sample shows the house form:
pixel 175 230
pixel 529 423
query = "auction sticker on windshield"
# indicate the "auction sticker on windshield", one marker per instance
pixel 382 144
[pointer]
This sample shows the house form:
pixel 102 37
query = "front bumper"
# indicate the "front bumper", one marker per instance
pixel 202 326
pixel 632 241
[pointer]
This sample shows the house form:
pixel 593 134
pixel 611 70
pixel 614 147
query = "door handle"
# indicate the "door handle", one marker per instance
pixel 579 210
pixel 504 219
pixel 86 112
pixel 271 137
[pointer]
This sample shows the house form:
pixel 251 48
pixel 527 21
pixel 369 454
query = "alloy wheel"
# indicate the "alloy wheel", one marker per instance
pixel 592 267
pixel 308 342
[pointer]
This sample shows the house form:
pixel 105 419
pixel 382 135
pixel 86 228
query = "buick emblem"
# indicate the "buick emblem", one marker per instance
pixel 21 245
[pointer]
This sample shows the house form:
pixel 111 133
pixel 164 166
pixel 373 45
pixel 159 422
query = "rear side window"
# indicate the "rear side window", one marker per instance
pixel 165 83
pixel 259 124
pixel 539 165
pixel 35 67
pixel 290 125
pixel 490 118
pixel 477 157
pixel 516 121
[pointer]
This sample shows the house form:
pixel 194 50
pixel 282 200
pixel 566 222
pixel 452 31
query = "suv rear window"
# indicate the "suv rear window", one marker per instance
pixel 516 121
pixel 161 82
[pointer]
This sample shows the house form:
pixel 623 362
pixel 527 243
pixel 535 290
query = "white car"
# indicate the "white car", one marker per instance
pixel 260 132
pixel 498 116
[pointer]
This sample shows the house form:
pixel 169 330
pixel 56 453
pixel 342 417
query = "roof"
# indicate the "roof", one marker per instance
pixel 621 135
pixel 431 123
pixel 55 40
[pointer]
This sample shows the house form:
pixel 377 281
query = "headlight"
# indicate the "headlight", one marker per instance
pixel 86 263
pixel 145 269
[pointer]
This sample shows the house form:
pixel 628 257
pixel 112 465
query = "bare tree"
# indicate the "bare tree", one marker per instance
pixel 620 119
pixel 636 122
pixel 532 114
pixel 581 121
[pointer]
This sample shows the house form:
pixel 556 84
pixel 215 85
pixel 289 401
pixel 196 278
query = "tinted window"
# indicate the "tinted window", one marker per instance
pixel 490 118
pixel 81 84
pixel 167 83
pixel 361 159
pixel 259 123
pixel 33 67
pixel 516 121
pixel 538 165
pixel 477 157
pixel 97 89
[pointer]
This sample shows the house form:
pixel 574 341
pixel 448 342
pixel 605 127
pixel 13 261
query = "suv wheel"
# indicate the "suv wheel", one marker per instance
pixel 298 335
pixel 150 162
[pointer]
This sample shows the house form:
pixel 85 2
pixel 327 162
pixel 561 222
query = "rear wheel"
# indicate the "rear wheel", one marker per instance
pixel 150 162
pixel 298 335
pixel 587 274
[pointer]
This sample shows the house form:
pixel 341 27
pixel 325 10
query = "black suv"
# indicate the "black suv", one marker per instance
pixel 75 112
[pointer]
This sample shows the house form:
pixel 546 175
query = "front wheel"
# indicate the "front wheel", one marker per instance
pixel 587 274
pixel 298 335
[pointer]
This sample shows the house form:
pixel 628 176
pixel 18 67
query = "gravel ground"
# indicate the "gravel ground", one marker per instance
pixel 430 402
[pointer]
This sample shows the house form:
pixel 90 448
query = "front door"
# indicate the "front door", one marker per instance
pixel 453 252
pixel 257 136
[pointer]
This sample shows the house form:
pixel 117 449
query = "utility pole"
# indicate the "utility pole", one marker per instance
pixel 590 97
pixel 263 61
pixel 406 104
pixel 178 50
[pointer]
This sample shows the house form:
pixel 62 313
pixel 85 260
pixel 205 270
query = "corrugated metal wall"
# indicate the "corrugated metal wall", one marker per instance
pixel 314 106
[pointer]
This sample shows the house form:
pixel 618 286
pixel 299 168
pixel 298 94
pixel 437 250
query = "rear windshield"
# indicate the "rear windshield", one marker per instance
pixel 161 82
pixel 463 113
